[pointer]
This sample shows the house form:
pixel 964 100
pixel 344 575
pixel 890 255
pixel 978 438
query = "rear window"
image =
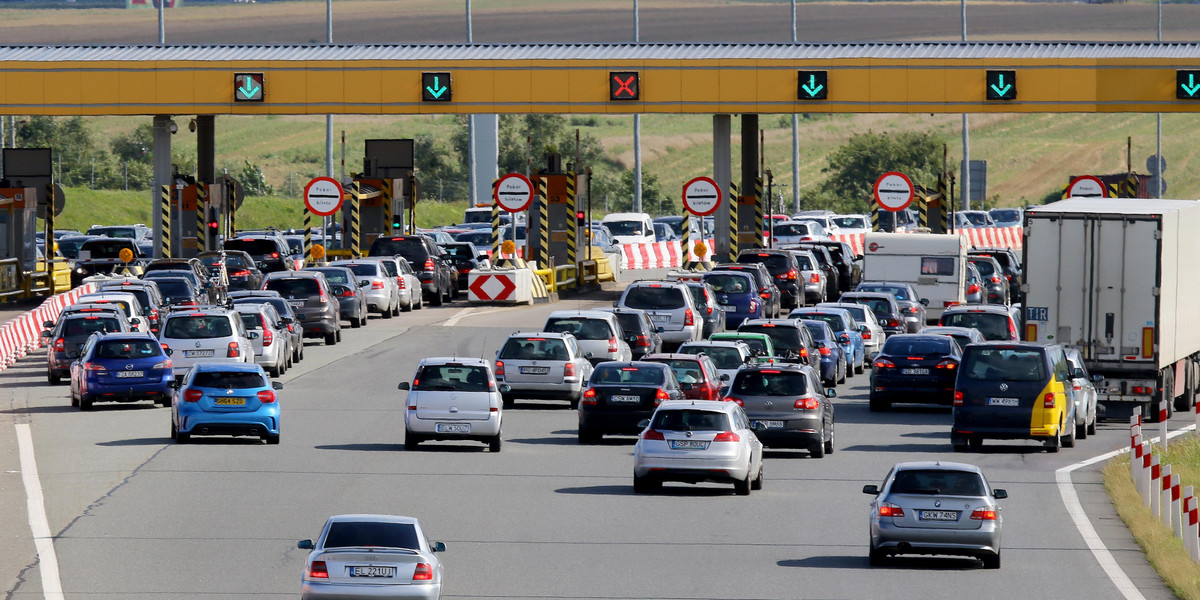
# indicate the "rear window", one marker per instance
pixel 877 305
pixel 295 287
pixel 364 535
pixel 776 263
pixel 479 238
pixel 452 378
pixel 699 297
pixel 770 382
pixel 939 482
pixel 128 349
pixel 757 345
pixel 791 229
pixel 174 289
pixel 986 267
pixel 105 248
pixel 231 261
pixel 228 380
pixel 389 267
pixel 250 321
pixel 898 293
pixel 991 325
pixel 648 297
pixel 335 276
pixel 581 328
pixel 626 375
pixel 86 326
pixel 626 227
pixel 849 222
pixel 723 357
pixel 412 248
pixel 631 323
pixel 1010 364
pixel 690 420
pixel 253 247
pixel 362 270
pixel 818 332
pixel 198 327
pixel 686 371
pixel 534 349
pixel 834 321
pixel 1005 214
pixel 458 251
pixel 805 262
pixel 114 232
pixel 123 304
pixel 897 346
pixel 858 312
pixel 729 284
pixel 783 337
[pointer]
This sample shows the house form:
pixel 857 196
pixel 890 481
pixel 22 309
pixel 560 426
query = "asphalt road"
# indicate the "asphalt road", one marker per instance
pixel 136 517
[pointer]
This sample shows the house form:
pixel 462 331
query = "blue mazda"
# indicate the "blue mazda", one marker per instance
pixel 121 367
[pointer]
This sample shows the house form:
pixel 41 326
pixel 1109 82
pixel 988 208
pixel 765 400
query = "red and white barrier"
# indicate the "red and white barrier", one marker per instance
pixel 23 334
pixel 1155 489
pixel 1162 423
pixel 1148 462
pixel 1191 539
pixel 661 255
pixel 1176 507
pixel 1165 497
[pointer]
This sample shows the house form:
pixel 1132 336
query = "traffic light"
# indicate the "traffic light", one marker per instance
pixel 397 223
pixel 580 218
pixel 212 228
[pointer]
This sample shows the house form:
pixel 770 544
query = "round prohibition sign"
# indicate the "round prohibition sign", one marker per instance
pixel 701 196
pixel 323 196
pixel 513 192
pixel 894 191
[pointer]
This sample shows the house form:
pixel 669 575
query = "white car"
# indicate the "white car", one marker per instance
pixel 542 365
pixel 796 232
pixel 698 440
pixel 874 335
pixel 728 355
pixel 630 228
pixel 852 224
pixel 671 308
pixel 381 289
pixel 453 399
pixel 408 285
pixel 272 345
pixel 206 335
pixel 598 333
pixel 139 317
pixel 371 556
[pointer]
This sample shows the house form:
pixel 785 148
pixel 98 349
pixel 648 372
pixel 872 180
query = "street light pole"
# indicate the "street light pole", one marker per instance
pixel 795 138
pixel 637 126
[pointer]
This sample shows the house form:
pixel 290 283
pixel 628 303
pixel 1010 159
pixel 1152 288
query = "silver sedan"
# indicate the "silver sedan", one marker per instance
pixel 371 556
pixel 698 440
pixel 935 508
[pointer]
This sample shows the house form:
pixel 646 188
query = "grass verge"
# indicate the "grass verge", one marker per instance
pixel 1164 551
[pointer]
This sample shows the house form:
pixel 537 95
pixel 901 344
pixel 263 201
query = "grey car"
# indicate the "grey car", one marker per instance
pixel 1085 395
pixel 935 508
pixel 380 292
pixel 272 347
pixel 371 556
pixel 286 314
pixel 787 405
pixel 311 296
pixel 912 305
pixel 962 335
pixel 350 293
pixel 542 365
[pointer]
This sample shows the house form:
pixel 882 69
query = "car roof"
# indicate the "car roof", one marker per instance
pixel 775 366
pixel 305 274
pixel 789 322
pixel 714 405
pixel 254 294
pixel 463 360
pixel 203 311
pixel 937 465
pixel 670 356
pixel 720 343
pixel 210 366
pixel 949 329
pixel 590 313
pixel 129 335
pixel 895 283
pixel 998 309
pixel 368 518
pixel 540 334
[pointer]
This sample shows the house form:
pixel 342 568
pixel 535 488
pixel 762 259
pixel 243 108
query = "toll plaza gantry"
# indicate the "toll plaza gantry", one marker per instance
pixel 718 79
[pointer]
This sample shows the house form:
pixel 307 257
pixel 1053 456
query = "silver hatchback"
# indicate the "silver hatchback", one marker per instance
pixel 670 306
pixel 698 440
pixel 542 365
pixel 787 406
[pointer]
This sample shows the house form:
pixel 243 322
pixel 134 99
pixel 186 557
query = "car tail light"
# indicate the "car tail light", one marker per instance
pixel 318 570
pixel 163 364
pixel 866 335
pixel 589 397
pixel 1012 329
pixel 423 572
pixel 60 345
pixel 804 353
pixel 995 279
pixel 268 337
pixel 322 297
pixel 653 434
pixel 754 306
pixel 643 340
pixel 348 293
pixel 737 401
pixel 825 351
pixel 660 395
pixel 790 275
pixel 910 309
pixel 266 396
pixel 154 314
pixel 93 367
pixel 241 273
pixel 884 363
pixel 711 392
pixel 500 368
pixel 569 369
pixel 893 322
pixel 689 318
pixel 187 303
pixel 973 289
pixel 806 404
pixel 814 278
pixel 192 395
pixel 612 344
pixel 959 398
pixel 234 350
pixel 983 514
pixel 947 363
pixel 290 328
pixel 843 338
pixel 887 509
pixel 1048 400
pixel 1077 386
pixel 1141 389
pixel 400 282
pixel 464 271
pixel 377 285
pixel 710 310
pixel 429 266
pixel 727 436
pixel 765 295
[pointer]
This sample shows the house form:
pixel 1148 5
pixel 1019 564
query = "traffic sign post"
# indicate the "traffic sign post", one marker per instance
pixel 323 196
pixel 1087 186
pixel 701 196
pixel 894 191
pixel 513 192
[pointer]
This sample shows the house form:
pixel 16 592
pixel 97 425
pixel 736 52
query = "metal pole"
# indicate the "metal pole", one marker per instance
pixel 162 28
pixel 472 193
pixel 966 129
pixel 328 118
pixel 1158 191
pixel 470 33
pixel 637 126
pixel 795 138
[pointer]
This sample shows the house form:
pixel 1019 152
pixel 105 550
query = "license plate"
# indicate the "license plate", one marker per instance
pixel 225 401
pixel 197 353
pixel 453 428
pixel 1003 401
pixel 689 445
pixel 914 371
pixel 660 318
pixel 939 515
pixel 728 308
pixel 372 571
pixel 535 370
pixel 769 424
pixel 626 399
pixel 296 304
pixel 128 374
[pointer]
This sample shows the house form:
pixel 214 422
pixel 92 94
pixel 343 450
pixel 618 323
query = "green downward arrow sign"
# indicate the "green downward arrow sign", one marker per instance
pixel 999 86
pixel 436 90
pixel 249 89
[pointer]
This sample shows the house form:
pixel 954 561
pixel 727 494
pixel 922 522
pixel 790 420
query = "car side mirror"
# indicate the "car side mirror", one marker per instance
pixel 288 320
pixel 253 335
pixel 404 385
pixel 276 385
pixel 135 321
pixel 631 339
pixel 644 423
pixel 364 283
pixel 280 324
pixel 871 489
pixel 999 494
pixel 659 330
pixel 47 333
pixel 505 388
pixel 617 304
pixel 588 355
pixel 48 324
pixel 831 393
pixel 863 329
pixel 924 301
pixel 174 384
pixel 725 376
pixel 169 351
pixel 1097 378
pixel 439 547
pixel 305 544
pixel 687 386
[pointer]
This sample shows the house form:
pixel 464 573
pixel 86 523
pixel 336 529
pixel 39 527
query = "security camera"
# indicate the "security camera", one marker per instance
pixel 173 127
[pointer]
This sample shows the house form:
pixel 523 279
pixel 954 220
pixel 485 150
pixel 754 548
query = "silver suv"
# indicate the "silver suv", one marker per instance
pixel 670 306
pixel 206 335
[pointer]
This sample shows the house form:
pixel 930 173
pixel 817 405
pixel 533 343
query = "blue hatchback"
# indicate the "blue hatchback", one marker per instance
pixel 845 329
pixel 834 365
pixel 121 367
pixel 221 398
pixel 737 295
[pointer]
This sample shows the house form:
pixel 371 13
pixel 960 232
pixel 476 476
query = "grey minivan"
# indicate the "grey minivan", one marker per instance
pixel 311 296
pixel 670 306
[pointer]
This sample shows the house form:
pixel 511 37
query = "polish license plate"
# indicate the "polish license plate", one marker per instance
pixel 689 445
pixel 453 428
pixel 625 399
pixel 769 424
pixel 914 371
pixel 939 515
pixel 661 318
pixel 1003 401
pixel 535 370
pixel 372 571
pixel 197 353
pixel 728 308
pixel 296 304
pixel 226 401
pixel 130 374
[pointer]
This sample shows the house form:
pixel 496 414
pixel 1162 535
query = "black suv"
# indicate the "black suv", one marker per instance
pixel 639 331
pixel 849 271
pixel 269 251
pixel 783 268
pixel 439 282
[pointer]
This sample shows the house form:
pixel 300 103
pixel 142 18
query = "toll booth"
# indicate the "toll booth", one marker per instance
pixel 18 242
pixel 184 226
pixel 552 228
pixel 383 207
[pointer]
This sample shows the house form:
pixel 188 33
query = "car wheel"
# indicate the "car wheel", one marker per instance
pixel 411 440
pixel 1081 431
pixel 1055 442
pixel 355 323
pixel 85 403
pixel 274 371
pixel 330 339
pixel 878 404
pixel 862 364
pixel 508 401
pixel 182 438
pixel 644 485
pixel 958 443
pixel 407 307
pixel 758 481
pixel 817 450
pixel 388 312
pixel 843 368
pixel 396 308
pixel 494 443
pixel 876 557
pixel 436 299
pixel 174 430
pixel 992 561
pixel 74 399
pixel 271 440
pixel 829 443
pixel 339 334
pixel 1068 441
pixel 1091 428
pixel 742 488
pixel 587 437
pixel 53 379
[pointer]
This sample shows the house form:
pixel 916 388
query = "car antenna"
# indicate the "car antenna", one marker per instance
pixel 482 348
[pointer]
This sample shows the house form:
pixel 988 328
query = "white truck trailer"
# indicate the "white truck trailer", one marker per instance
pixel 1111 277
pixel 934 263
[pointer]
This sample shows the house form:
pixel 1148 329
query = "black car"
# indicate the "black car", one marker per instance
pixel 177 292
pixel 639 331
pixel 769 293
pixel 1009 262
pixel 849 271
pixel 792 340
pixel 102 255
pixel 784 270
pixel 195 271
pixel 269 250
pixel 466 256
pixel 622 394
pixel 241 269
pixel 833 276
pixel 915 368
pixel 147 294
pixel 994 283
pixel 439 281
pixel 912 305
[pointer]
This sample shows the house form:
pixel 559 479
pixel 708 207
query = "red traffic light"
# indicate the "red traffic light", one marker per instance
pixel 579 215
pixel 213 225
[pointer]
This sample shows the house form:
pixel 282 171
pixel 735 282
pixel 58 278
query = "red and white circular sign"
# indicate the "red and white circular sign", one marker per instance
pixel 893 191
pixel 1087 186
pixel 701 196
pixel 514 192
pixel 323 196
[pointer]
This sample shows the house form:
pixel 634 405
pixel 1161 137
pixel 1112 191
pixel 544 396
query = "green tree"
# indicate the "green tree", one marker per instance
pixel 654 199
pixel 854 167
pixel 442 167
pixel 253 181
pixel 74 148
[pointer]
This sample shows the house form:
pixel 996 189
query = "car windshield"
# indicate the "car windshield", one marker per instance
pixel 198 327
pixel 770 382
pixel 581 328
pixel 791 229
pixel 372 535
pixel 782 337
pixel 534 349
pixel 294 287
pixel 361 270
pixel 993 326
pixel 834 321
pixel 1009 364
pixel 914 346
pixel 937 482
pixel 105 248
pixel 897 292
pixel 854 222
pixel 729 284
pixel 652 297
pixel 114 232
pixel 128 349
pixel 1005 214
pixel 626 227
pixel 615 374
pixel 722 356
pixel 452 378
pixel 86 326
pixel 689 419
pixel 979 219
pixel 252 246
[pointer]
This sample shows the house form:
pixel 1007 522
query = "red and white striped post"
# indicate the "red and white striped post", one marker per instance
pixel 1197 415
pixel 1135 462
pixel 1148 462
pixel 1162 423
pixel 1164 495
pixel 1191 538
pixel 1153 490
pixel 1176 516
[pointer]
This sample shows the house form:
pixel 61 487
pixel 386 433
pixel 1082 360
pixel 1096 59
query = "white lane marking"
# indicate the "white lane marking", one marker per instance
pixel 36 507
pixel 1071 500
pixel 458 316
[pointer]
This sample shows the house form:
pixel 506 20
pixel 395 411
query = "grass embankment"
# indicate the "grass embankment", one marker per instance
pixel 1164 551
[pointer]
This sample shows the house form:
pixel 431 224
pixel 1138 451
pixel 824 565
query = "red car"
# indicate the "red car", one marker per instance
pixel 697 375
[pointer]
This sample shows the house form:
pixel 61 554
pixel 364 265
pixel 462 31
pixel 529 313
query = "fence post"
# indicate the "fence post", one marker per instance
pixel 1162 423
pixel 1176 516
pixel 1191 537
pixel 1135 462
pixel 1152 491
pixel 1163 491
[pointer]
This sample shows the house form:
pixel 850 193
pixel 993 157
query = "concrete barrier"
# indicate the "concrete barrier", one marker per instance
pixel 508 286
pixel 23 334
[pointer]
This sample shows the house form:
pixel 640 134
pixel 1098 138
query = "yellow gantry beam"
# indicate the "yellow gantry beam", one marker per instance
pixel 697 86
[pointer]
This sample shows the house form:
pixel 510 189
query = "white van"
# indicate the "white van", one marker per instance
pixel 935 265
pixel 630 228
